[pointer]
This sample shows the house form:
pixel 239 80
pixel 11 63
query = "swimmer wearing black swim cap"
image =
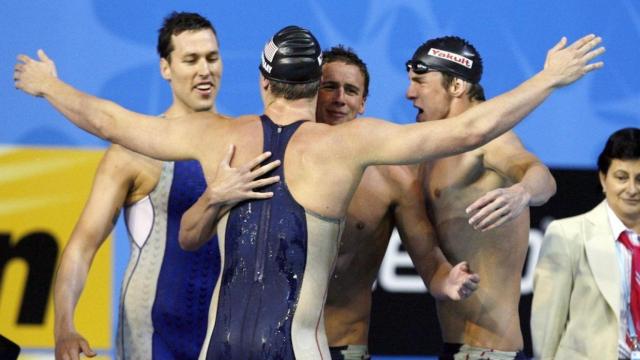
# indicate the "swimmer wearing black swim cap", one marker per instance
pixel 479 204
pixel 292 56
pixel 448 54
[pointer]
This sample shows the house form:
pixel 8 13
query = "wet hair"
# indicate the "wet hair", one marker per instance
pixel 623 144
pixel 294 91
pixel 176 23
pixel 349 57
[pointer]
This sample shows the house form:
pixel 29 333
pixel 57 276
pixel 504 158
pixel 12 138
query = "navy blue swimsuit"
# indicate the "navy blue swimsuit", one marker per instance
pixel 268 304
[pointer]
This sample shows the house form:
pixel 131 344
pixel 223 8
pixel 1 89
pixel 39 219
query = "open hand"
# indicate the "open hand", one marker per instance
pixel 567 64
pixel 69 347
pixel 32 76
pixel 232 185
pixel 498 207
pixel 461 282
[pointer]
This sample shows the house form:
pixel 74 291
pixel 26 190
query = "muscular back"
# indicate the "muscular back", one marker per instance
pixel 489 318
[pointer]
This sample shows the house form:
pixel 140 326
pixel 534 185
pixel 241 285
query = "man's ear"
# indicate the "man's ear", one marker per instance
pixel 362 106
pixel 264 83
pixel 165 69
pixel 458 87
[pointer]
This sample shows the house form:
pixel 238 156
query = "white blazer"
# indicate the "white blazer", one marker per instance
pixel 576 299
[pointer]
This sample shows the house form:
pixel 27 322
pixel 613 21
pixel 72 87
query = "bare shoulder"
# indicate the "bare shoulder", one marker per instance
pixel 508 155
pixel 363 127
pixel 401 175
pixel 129 169
pixel 400 179
pixel 206 116
pixel 201 122
pixel 369 124
pixel 353 133
pixel 242 123
pixel 120 161
pixel 508 140
pixel 126 160
pixel 243 126
pixel 243 119
pixel 321 137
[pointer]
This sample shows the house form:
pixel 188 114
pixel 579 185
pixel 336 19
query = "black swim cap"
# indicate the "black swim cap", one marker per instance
pixel 449 54
pixel 292 56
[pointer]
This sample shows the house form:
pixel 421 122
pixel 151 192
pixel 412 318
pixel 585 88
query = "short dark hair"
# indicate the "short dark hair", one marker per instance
pixel 476 92
pixel 174 24
pixel 294 91
pixel 347 56
pixel 623 144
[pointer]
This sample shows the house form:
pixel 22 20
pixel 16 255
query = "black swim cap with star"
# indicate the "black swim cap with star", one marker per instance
pixel 449 54
pixel 292 56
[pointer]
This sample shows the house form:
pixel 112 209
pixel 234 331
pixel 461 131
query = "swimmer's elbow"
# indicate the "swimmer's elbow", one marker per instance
pixel 104 131
pixel 188 243
pixel 104 122
pixel 549 189
pixel 477 138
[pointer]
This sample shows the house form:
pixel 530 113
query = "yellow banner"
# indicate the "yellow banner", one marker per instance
pixel 42 193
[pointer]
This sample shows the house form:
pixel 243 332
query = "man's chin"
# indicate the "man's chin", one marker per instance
pixel 203 107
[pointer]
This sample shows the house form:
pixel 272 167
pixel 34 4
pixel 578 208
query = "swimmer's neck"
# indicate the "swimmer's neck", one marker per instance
pixel 284 112
pixel 460 105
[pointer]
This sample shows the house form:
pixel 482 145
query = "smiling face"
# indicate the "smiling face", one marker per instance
pixel 341 95
pixel 429 96
pixel 194 69
pixel 621 185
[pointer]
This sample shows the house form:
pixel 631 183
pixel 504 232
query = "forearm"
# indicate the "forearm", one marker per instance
pixel 92 114
pixel 474 127
pixel 486 121
pixel 69 283
pixel 198 224
pixel 539 184
pixel 436 277
pixel 151 136
pixel 429 263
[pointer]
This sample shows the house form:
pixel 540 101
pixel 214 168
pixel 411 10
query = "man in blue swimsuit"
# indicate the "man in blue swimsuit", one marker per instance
pixel 166 291
pixel 277 254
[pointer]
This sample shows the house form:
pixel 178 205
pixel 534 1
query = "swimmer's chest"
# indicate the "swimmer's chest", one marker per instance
pixel 459 177
pixel 371 205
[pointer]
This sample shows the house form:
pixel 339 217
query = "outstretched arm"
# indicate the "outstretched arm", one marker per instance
pixel 110 188
pixel 534 184
pixel 152 136
pixel 387 143
pixel 419 238
pixel 229 187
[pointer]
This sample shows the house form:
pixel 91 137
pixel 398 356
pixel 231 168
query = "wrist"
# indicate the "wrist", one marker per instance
pixel 61 330
pixel 215 199
pixel 46 85
pixel 547 79
pixel 524 192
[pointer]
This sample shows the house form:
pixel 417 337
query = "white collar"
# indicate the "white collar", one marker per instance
pixel 617 226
